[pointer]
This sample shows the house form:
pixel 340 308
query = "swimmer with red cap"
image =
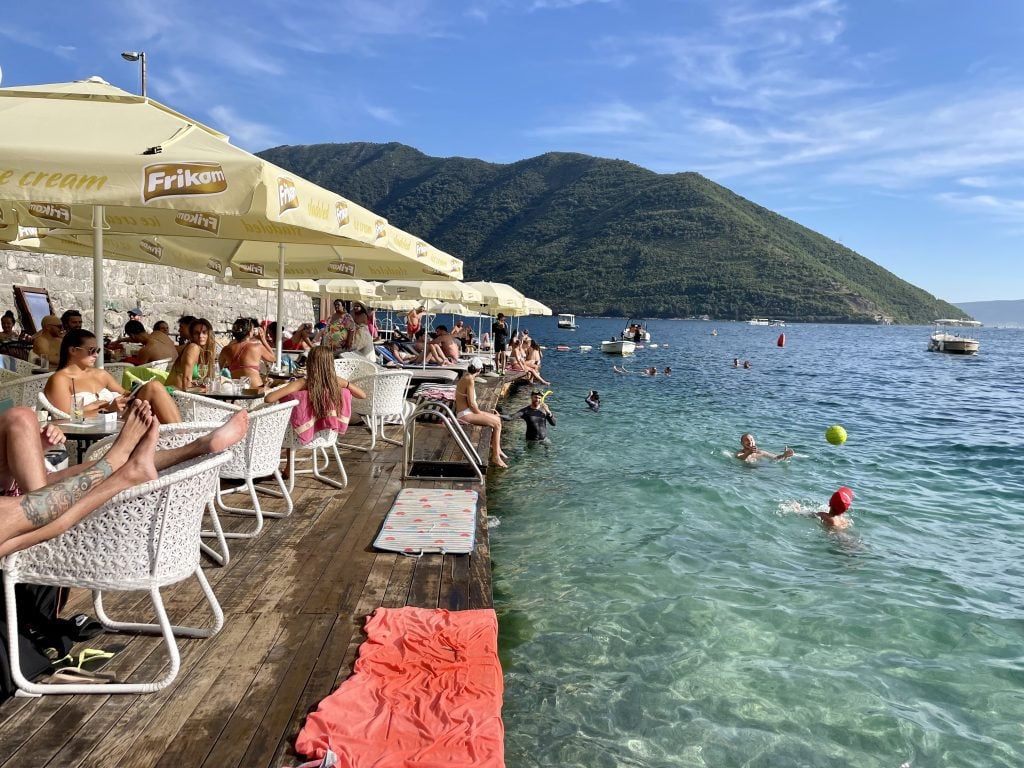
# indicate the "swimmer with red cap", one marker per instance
pixel 838 505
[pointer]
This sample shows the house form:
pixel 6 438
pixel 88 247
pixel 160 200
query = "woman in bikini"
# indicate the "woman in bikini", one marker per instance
pixel 467 410
pixel 243 355
pixel 192 365
pixel 95 389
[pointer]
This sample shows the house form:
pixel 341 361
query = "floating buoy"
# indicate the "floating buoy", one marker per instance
pixel 563 348
pixel 835 434
pixel 782 340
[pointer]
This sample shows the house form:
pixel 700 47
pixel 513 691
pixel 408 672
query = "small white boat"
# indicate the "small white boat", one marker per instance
pixel 567 321
pixel 636 332
pixel 759 321
pixel 618 347
pixel 585 347
pixel 945 339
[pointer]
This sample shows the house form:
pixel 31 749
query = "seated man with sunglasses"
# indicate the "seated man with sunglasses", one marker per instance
pixel 78 380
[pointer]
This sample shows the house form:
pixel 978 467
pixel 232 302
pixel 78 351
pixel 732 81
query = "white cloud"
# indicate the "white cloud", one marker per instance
pixel 602 119
pixel 244 133
pixel 384 114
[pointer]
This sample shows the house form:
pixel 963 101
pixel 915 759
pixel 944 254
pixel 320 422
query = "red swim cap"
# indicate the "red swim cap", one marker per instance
pixel 840 501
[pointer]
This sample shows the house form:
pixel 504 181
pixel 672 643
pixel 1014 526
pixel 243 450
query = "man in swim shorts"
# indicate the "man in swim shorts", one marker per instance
pixel 751 452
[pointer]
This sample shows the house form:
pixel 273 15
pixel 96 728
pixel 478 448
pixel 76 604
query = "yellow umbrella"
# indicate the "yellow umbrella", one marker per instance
pixel 499 297
pixel 431 289
pixel 94 160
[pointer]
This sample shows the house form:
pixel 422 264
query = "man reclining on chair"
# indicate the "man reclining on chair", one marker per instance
pixel 53 503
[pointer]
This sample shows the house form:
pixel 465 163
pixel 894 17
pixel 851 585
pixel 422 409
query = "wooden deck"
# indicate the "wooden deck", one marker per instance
pixel 294 600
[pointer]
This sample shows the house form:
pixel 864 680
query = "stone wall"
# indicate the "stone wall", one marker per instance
pixel 164 293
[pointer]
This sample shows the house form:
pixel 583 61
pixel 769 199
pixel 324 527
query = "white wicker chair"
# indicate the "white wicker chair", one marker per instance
pixel 116 370
pixel 53 410
pixel 322 441
pixel 160 365
pixel 24 391
pixel 353 367
pixel 258 455
pixel 385 403
pixel 199 408
pixel 16 364
pixel 142 539
pixel 7 376
pixel 175 436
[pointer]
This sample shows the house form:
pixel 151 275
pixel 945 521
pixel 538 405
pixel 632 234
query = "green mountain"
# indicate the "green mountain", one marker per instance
pixel 594 236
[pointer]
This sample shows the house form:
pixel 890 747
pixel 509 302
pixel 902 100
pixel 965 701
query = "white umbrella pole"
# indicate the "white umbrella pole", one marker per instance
pixel 280 304
pixel 97 279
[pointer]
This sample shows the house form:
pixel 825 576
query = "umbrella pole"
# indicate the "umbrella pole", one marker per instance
pixel 97 278
pixel 280 304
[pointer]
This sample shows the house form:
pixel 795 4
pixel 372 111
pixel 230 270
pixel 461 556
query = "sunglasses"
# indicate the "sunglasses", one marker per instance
pixel 90 350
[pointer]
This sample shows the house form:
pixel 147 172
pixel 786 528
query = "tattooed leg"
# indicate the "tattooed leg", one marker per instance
pixel 48 503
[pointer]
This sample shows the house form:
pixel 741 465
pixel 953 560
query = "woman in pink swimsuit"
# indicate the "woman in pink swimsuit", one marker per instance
pixel 243 355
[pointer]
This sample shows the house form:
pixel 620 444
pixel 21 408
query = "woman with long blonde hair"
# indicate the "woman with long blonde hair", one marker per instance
pixel 324 397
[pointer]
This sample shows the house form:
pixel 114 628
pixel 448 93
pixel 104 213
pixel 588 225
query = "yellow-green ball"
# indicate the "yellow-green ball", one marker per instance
pixel 835 435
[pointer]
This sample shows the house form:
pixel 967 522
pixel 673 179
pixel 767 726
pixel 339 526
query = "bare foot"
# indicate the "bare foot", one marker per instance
pixel 498 462
pixel 140 467
pixel 224 437
pixel 137 421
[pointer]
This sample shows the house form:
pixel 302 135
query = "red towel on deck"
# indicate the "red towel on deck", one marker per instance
pixel 426 691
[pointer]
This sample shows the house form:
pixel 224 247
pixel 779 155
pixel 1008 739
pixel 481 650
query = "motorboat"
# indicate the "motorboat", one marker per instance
pixel 618 347
pixel 945 337
pixel 636 331
pixel 567 322
pixel 759 321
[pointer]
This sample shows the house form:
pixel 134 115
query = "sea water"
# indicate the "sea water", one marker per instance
pixel 662 603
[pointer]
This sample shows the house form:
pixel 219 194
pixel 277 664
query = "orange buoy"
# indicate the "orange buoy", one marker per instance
pixel 782 340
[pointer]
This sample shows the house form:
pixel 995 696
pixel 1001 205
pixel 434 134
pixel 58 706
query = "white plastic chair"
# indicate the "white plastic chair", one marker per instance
pixel 143 539
pixel 385 403
pixel 24 391
pixel 322 441
pixel 175 436
pixel 16 364
pixel 258 455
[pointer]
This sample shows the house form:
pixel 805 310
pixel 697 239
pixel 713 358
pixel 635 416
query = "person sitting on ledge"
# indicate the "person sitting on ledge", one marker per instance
pixel 467 410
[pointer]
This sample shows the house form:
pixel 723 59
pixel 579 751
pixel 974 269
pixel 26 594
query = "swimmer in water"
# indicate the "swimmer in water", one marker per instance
pixel 619 370
pixel 751 452
pixel 840 502
pixel 593 400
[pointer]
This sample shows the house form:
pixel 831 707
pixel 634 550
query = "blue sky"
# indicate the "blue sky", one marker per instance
pixel 893 126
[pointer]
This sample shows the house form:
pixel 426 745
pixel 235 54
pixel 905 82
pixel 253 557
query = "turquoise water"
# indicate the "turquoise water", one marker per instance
pixel 663 604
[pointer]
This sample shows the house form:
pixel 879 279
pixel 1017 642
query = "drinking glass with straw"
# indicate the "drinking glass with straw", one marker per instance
pixel 77 409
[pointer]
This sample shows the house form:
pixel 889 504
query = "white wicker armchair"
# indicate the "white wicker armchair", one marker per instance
pixel 24 391
pixel 199 408
pixel 258 455
pixel 354 367
pixel 142 539
pixel 16 364
pixel 44 402
pixel 175 436
pixel 385 403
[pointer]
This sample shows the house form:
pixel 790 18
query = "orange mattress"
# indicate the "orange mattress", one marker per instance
pixel 426 690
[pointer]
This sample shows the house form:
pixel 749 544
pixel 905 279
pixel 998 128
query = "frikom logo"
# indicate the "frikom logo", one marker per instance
pixel 252 268
pixel 342 268
pixel 152 249
pixel 214 265
pixel 380 228
pixel 287 195
pixel 341 213
pixel 181 179
pixel 207 222
pixel 51 212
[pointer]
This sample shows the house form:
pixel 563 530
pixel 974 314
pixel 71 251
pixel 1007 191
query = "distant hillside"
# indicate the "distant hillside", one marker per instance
pixel 595 236
pixel 1003 313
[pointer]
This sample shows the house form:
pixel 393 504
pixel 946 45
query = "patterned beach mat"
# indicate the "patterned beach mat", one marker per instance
pixel 430 520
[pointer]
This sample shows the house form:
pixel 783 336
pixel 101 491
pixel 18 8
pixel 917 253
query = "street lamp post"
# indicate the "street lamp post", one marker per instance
pixel 139 56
